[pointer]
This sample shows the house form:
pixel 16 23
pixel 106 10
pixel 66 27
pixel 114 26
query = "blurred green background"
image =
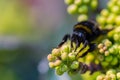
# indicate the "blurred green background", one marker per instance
pixel 29 30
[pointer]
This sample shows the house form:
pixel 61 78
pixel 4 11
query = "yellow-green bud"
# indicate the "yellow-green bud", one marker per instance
pixel 56 52
pixel 113 76
pixel 117 20
pixel 57 62
pixel 64 68
pixel 83 9
pixel 116 37
pixel 115 9
pixel 50 57
pixel 51 64
pixel 105 12
pixel 72 9
pixel 108 43
pixel 104 64
pixel 74 65
pixel 111 71
pixel 100 77
pixel 78 2
pixel 118 75
pixel 86 1
pixel 94 4
pixel 108 58
pixel 65 48
pixel 71 56
pixel 68 2
pixel 64 56
pixel 58 71
pixel 100 57
pixel 89 57
pixel 114 61
pixel 82 17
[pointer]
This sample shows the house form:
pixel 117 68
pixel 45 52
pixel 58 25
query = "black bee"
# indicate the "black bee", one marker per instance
pixel 84 32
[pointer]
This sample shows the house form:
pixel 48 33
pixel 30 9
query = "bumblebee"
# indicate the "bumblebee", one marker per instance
pixel 83 34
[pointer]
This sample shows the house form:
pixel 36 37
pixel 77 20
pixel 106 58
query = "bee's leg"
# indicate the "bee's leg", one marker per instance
pixel 85 44
pixel 92 47
pixel 65 38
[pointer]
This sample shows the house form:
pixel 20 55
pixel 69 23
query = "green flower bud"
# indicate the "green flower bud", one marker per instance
pixel 115 9
pixel 71 56
pixel 57 62
pixel 116 37
pixel 50 57
pixel 114 61
pixel 78 2
pixel 64 68
pixel 108 58
pixel 72 9
pixel 83 9
pixel 82 17
pixel 59 71
pixel 111 19
pixel 86 1
pixel 51 64
pixel 56 52
pixel 107 77
pixel 64 56
pixel 68 1
pixel 105 12
pixel 100 77
pixel 118 3
pixel 65 48
pixel 74 65
pixel 101 20
pixel 118 75
pixel 111 71
pixel 117 20
pixel 110 4
pixel 108 43
pixel 104 64
pixel 94 4
pixel 111 50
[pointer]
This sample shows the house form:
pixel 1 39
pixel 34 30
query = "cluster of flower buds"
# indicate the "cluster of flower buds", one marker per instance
pixel 66 59
pixel 81 7
pixel 111 74
pixel 110 17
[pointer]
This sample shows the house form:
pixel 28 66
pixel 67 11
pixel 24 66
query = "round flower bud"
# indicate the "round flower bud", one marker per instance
pixel 64 56
pixel 107 53
pixel 83 9
pixel 78 2
pixel 115 9
pixel 74 65
pixel 105 12
pixel 117 20
pixel 114 61
pixel 72 9
pixel 111 71
pixel 100 45
pixel 86 1
pixel 108 58
pixel 116 37
pixel 56 52
pixel 101 20
pixel 100 77
pixel 51 65
pixel 94 4
pixel 58 71
pixel 50 57
pixel 108 43
pixel 65 48
pixel 111 19
pixel 113 76
pixel 89 57
pixel 118 75
pixel 104 48
pixel 104 64
pixel 57 62
pixel 71 56
pixel 82 17
pixel 68 1
pixel 64 68
pixel 101 51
